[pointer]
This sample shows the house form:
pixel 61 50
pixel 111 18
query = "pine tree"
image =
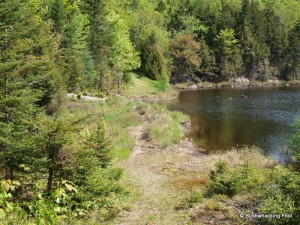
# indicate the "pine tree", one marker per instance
pixel 26 66
pixel 100 144
pixel 276 37
pixel 228 53
pixel 98 38
pixel 151 39
pixel 251 29
pixel 53 134
pixel 293 66
pixel 208 68
pixel 153 61
pixel 74 58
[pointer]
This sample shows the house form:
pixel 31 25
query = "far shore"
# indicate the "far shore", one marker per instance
pixel 241 83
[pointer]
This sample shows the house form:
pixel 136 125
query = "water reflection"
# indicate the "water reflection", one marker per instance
pixel 222 119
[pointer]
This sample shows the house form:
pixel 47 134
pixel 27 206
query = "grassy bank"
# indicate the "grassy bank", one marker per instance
pixel 121 114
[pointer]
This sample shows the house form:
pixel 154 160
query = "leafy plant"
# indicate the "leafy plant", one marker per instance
pixel 189 201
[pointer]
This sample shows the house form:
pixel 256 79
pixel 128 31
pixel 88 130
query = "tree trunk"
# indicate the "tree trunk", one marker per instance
pixel 50 179
pixel 50 170
pixel 9 174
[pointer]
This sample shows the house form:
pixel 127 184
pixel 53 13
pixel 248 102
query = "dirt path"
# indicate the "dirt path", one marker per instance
pixel 153 173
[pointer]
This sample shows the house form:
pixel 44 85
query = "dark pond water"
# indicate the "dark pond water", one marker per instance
pixel 222 119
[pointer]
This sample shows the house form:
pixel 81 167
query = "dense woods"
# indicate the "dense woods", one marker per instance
pixel 50 164
pixel 84 45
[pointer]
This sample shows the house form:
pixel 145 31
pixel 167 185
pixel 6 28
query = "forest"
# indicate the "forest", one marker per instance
pixel 56 155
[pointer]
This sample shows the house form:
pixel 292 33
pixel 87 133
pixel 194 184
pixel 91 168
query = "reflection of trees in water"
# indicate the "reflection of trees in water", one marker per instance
pixel 222 119
pixel 227 133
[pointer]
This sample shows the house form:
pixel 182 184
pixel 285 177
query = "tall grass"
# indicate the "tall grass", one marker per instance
pixel 166 129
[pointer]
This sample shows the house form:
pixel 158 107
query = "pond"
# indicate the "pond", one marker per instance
pixel 226 118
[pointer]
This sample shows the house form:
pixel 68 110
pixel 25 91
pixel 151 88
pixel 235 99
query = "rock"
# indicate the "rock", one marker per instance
pixel 192 87
pixel 84 97
pixel 242 81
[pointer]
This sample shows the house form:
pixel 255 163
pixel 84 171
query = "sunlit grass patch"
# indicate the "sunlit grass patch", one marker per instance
pixel 166 129
pixel 124 144
pixel 143 86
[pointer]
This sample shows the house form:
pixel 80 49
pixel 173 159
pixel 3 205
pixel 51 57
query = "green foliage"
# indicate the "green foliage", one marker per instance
pixel 281 196
pixel 157 85
pixel 225 42
pixel 129 78
pixel 99 143
pixel 154 64
pixel 295 145
pixel 54 135
pixel 9 211
pixel 281 205
pixel 103 192
pixel 189 201
pixel 223 182
pixel 293 67
pixel 42 209
pixel 185 54
pixel 25 65
pixel 50 47
pixel 271 189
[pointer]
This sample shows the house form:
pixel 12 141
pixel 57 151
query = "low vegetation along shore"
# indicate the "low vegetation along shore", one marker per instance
pixel 237 83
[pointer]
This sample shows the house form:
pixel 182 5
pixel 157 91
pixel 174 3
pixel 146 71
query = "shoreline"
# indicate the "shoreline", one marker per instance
pixel 237 85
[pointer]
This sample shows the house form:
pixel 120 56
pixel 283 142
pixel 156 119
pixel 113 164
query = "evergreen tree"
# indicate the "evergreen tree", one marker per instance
pixel 122 55
pixel 227 53
pixel 26 68
pixel 208 68
pixel 149 35
pixel 276 37
pixel 53 136
pixel 293 66
pixel 153 62
pixel 74 59
pixel 100 144
pixel 251 29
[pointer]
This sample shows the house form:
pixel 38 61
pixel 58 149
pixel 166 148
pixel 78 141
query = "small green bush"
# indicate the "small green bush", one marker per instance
pixel 294 145
pixel 273 190
pixel 223 181
pixel 129 78
pixel 193 198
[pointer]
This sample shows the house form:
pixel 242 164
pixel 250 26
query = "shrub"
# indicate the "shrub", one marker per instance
pixel 274 190
pixel 223 181
pixel 294 145
pixel 190 200
pixel 282 205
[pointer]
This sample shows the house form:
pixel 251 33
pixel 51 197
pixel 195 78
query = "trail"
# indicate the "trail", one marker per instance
pixel 150 171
